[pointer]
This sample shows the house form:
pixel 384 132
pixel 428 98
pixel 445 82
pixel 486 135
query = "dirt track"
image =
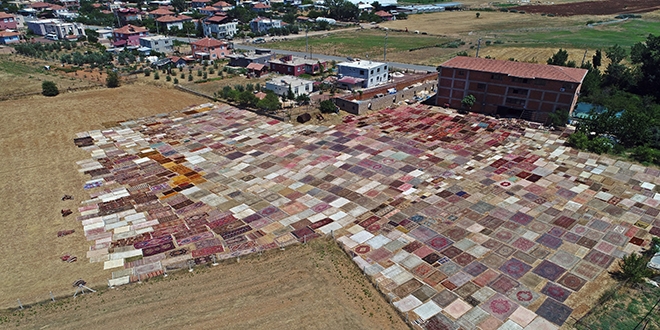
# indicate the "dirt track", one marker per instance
pixel 607 7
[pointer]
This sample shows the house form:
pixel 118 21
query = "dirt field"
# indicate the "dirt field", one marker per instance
pixel 39 167
pixel 607 7
pixel 314 286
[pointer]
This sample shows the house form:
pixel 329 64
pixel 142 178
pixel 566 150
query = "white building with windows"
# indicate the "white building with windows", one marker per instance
pixel 370 73
pixel 161 44
pixel 221 27
pixel 63 30
pixel 281 85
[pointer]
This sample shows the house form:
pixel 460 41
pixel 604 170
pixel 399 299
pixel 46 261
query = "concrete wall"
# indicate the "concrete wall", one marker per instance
pixel 359 107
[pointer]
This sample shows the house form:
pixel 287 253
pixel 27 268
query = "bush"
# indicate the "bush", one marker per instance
pixel 112 81
pixel 147 72
pixel 168 78
pixel 633 268
pixel 600 145
pixel 578 140
pixel 644 154
pixel 190 77
pixel 328 107
pixel 156 76
pixel 176 81
pixel 48 88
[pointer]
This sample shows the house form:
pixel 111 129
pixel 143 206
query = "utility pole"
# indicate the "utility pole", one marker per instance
pixel 478 46
pixel 584 57
pixel 385 49
pixel 306 40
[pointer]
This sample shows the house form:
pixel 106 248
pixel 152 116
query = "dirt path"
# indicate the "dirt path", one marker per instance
pixel 314 286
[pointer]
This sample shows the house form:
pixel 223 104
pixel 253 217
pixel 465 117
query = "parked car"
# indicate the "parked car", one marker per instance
pixel 259 41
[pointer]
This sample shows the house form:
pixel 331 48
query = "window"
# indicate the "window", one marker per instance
pixel 372 71
pixel 496 76
pixel 362 72
pixel 539 82
pixel 519 91
pixel 481 86
pixel 385 68
pixel 519 80
pixel 514 101
pixel 461 72
pixel 567 87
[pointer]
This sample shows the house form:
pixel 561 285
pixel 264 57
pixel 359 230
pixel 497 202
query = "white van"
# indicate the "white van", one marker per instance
pixel 52 36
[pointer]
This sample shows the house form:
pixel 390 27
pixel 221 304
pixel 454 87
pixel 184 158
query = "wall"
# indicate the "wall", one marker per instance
pixel 359 107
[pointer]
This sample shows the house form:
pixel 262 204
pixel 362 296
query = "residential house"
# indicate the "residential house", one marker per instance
pixel 161 44
pixel 256 69
pixel 178 61
pixel 261 7
pixel 262 24
pixel 507 88
pixel 224 6
pixel 221 27
pixel 196 4
pixel 282 85
pixel 7 21
pixel 371 73
pixel 330 21
pixel 295 66
pixel 169 21
pixel 260 56
pixel 385 16
pixel 210 49
pixel 129 35
pixel 70 4
pixel 8 37
pixel 160 12
pixel 104 33
pixel 127 15
pixel 63 30
pixel 209 11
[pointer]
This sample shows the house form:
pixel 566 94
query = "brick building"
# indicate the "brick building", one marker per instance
pixel 210 49
pixel 295 66
pixel 506 88
pixel 7 21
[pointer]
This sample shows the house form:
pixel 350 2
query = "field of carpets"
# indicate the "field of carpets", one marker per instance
pixel 460 220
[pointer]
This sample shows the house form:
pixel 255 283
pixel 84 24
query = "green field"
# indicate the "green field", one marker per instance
pixel 624 310
pixel 625 34
pixel 360 43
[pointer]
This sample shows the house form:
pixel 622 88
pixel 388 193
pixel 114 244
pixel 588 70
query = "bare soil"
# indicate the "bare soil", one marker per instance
pixel 312 286
pixel 606 7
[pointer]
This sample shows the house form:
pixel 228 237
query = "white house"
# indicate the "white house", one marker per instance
pixel 371 73
pixel 161 44
pixel 262 24
pixel 220 27
pixel 281 85
pixel 63 30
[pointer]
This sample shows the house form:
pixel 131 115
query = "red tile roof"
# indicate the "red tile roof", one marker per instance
pixel 517 69
pixel 130 29
pixel 261 5
pixel 170 18
pixel 209 8
pixel 208 42
pixel 37 5
pixel 221 4
pixel 4 15
pixel 161 11
pixel 382 13
pixel 216 19
pixel 255 66
pixel 8 34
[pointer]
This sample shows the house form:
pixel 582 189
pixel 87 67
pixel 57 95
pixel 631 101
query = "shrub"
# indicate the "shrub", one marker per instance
pixel 328 107
pixel 633 268
pixel 112 80
pixel 147 72
pixel 168 78
pixel 190 77
pixel 49 88
pixel 176 81
pixel 156 76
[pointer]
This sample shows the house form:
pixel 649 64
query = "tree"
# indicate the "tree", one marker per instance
pixel 179 5
pixel 558 118
pixel 303 99
pixel 616 54
pixel 559 58
pixel 112 80
pixel 646 55
pixel 49 88
pixel 597 58
pixel 468 101
pixel 342 10
pixel 633 268
pixel 377 6
pixel 247 99
pixel 269 103
pixel 478 14
pixel 328 106
pixel 290 95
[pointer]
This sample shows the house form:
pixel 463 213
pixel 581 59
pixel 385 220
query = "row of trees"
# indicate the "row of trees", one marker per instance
pixel 628 92
pixel 94 59
pixel 244 96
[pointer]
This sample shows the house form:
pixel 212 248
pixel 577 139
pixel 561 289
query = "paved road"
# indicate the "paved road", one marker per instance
pixel 403 66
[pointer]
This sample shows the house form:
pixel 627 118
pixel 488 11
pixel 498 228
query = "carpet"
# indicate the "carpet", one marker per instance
pixel 554 311
pixel 555 292
pixel 515 268
pixel 548 270
pixel 572 282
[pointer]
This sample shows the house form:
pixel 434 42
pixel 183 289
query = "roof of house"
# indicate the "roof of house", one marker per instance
pixel 216 19
pixel 221 4
pixel 261 5
pixel 209 8
pixel 255 66
pixel 5 15
pixel 382 13
pixel 171 19
pixel 130 29
pixel 295 61
pixel 4 34
pixel 260 95
pixel 200 1
pixel 37 5
pixel 289 80
pixel 161 11
pixel 361 64
pixel 208 42
pixel 350 80
pixel 517 69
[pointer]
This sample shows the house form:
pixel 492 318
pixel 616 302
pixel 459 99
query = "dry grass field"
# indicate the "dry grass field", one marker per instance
pixel 39 167
pixel 314 286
